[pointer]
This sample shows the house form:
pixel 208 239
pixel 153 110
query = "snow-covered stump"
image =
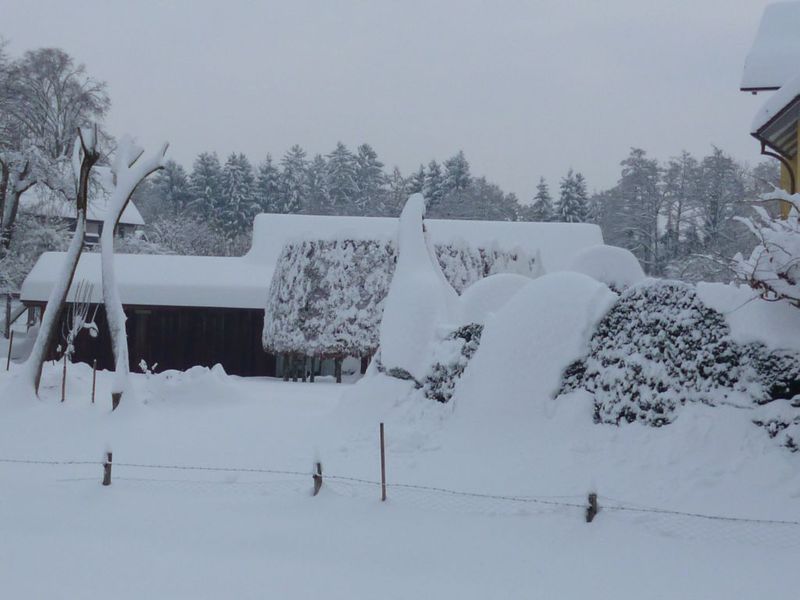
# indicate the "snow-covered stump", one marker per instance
pixel 86 152
pixel 129 169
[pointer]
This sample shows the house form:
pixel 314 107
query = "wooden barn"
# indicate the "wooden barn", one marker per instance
pixel 182 310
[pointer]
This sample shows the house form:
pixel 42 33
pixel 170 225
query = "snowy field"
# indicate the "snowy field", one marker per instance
pixel 177 533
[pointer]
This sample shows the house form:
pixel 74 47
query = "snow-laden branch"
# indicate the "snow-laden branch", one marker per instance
pixel 129 167
pixel 773 266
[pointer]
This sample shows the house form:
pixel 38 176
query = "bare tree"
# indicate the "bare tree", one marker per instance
pixel 87 155
pixel 44 98
pixel 129 169
pixel 78 317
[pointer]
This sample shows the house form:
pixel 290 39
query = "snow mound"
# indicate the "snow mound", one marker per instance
pixel 420 299
pixel 527 345
pixel 487 296
pixel 617 267
pixel 196 385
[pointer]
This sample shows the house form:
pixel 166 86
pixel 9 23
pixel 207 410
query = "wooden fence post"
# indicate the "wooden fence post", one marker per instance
pixel 64 379
pixel 317 479
pixel 592 509
pixel 10 348
pixel 383 468
pixel 94 378
pixel 107 470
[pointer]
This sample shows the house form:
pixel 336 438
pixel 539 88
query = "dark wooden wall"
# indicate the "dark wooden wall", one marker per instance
pixel 183 337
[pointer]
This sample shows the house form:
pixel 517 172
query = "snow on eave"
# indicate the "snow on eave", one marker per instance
pixel 556 242
pixel 775 53
pixel 160 280
pixel 776 105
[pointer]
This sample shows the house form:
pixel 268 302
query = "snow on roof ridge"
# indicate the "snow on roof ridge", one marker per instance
pixel 557 242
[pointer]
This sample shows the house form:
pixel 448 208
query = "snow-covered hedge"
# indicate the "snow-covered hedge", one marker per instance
pixel 659 346
pixel 326 296
pixel 451 358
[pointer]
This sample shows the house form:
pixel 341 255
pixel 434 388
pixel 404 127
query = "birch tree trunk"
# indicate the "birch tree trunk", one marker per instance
pixel 58 295
pixel 129 169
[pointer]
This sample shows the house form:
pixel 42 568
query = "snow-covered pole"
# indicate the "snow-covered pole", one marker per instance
pixel 129 169
pixel 86 147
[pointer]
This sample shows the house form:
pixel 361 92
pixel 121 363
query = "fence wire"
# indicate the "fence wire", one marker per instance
pixel 291 483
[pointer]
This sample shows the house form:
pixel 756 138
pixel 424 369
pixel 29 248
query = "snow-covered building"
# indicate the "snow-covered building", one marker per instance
pixel 190 310
pixel 44 204
pixel 772 66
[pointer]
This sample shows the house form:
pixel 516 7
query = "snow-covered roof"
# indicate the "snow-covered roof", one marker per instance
pixel 41 202
pixel 775 55
pixel 557 243
pixel 242 282
pixel 161 280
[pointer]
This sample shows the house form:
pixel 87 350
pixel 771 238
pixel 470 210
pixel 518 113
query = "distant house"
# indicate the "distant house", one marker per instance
pixel 188 310
pixel 773 65
pixel 44 204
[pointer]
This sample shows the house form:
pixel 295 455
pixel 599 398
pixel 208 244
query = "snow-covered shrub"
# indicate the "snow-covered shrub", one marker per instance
pixel 658 347
pixel 487 296
pixel 773 266
pixel 326 297
pixel 463 264
pixel 450 359
pixel 617 267
pixel 776 371
pixel 781 421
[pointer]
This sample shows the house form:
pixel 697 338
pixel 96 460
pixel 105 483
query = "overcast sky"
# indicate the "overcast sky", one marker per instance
pixel 526 89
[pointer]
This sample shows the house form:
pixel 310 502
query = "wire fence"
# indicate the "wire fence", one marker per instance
pixel 291 483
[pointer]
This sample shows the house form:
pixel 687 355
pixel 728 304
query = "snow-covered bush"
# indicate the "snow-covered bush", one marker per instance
pixel 658 347
pixel 773 266
pixel 463 264
pixel 450 359
pixel 326 297
pixel 617 267
pixel 781 421
pixel 487 296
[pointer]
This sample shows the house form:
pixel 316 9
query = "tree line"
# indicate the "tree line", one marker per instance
pixel 679 217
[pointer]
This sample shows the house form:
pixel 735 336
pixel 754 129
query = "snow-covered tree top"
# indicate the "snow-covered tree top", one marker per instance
pixel 557 243
pixel 773 58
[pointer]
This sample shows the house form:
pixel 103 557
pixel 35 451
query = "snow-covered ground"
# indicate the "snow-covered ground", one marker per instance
pixel 173 533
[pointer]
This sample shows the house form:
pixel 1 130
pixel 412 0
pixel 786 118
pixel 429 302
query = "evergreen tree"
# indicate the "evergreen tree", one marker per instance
pixel 457 177
pixel 399 190
pixel 342 185
pixel 172 187
pixel 294 181
pixel 319 201
pixel 238 198
pixel 542 207
pixel 416 183
pixel 268 187
pixel 433 188
pixel 370 181
pixel 571 203
pixel 205 185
